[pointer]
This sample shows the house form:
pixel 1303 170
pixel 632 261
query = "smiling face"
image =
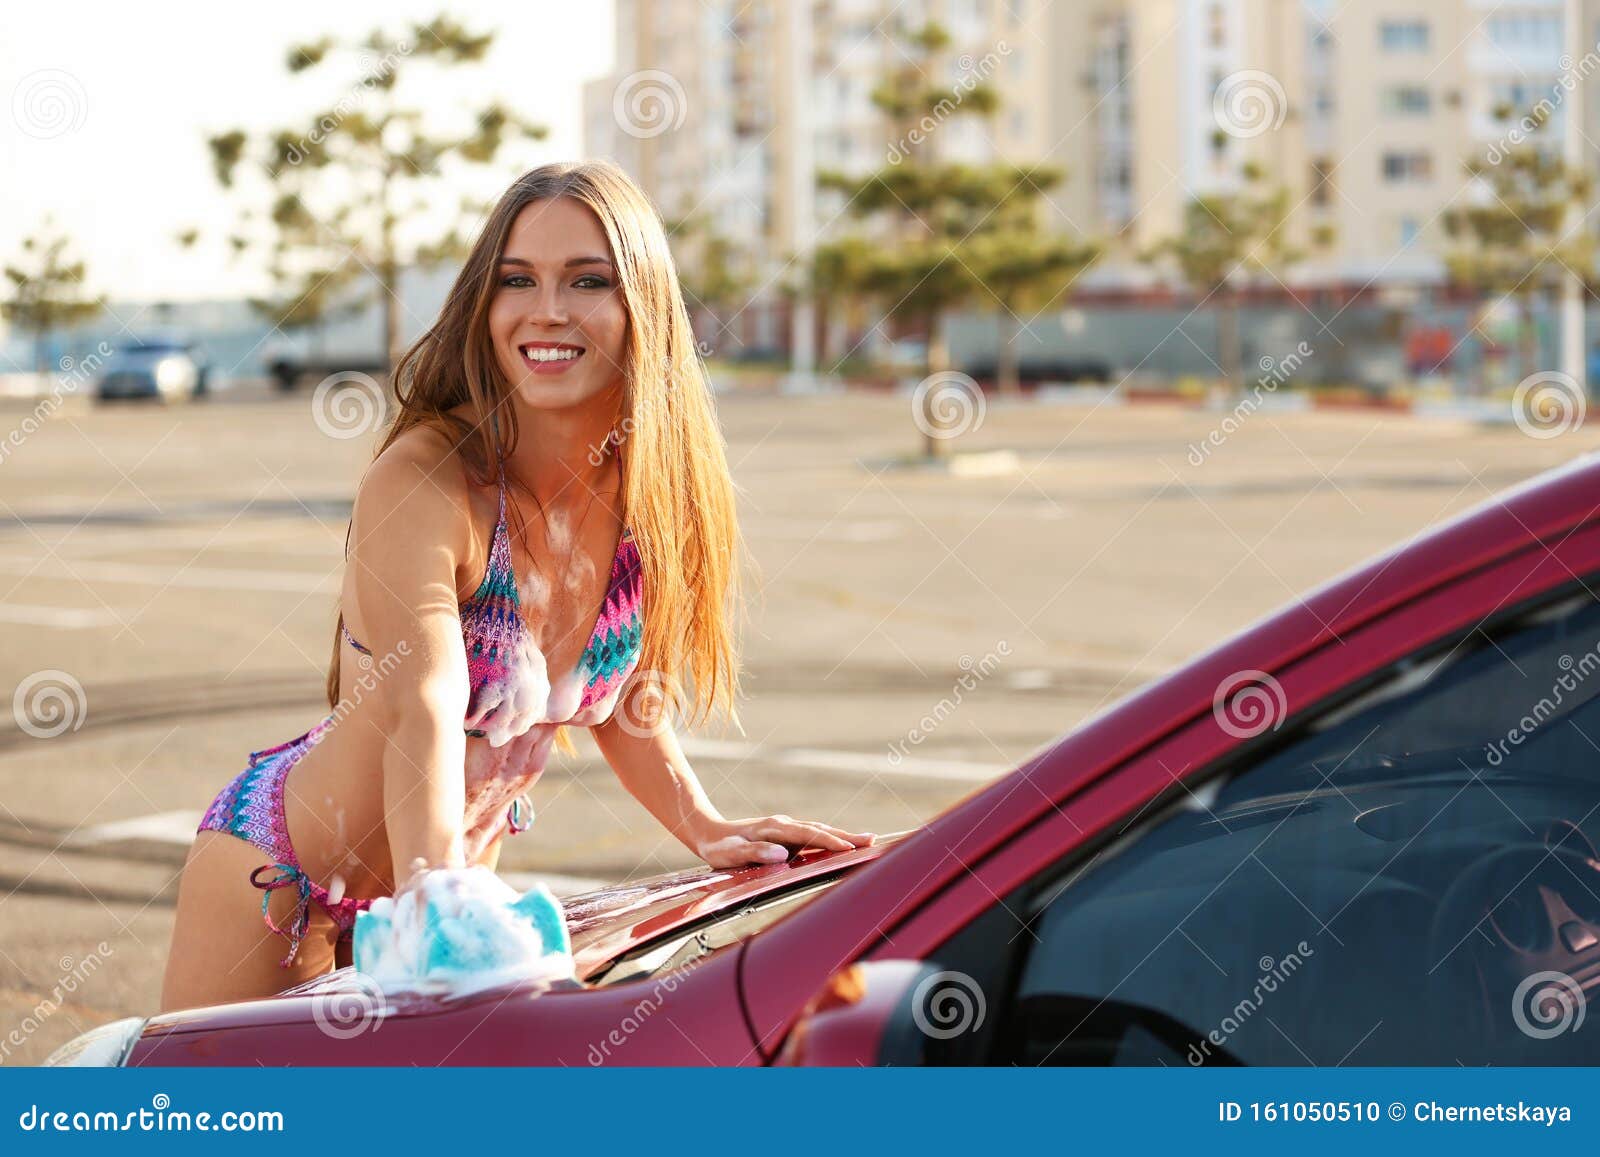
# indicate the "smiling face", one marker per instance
pixel 558 320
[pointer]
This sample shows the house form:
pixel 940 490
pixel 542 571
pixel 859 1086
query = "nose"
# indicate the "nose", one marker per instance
pixel 548 306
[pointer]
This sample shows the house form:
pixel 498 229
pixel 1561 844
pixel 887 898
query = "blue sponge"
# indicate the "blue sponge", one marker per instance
pixel 460 930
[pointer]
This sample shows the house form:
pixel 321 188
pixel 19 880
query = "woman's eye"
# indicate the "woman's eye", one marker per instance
pixel 587 281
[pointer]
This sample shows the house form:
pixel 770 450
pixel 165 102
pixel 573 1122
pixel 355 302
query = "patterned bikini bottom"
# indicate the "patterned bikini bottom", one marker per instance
pixel 251 807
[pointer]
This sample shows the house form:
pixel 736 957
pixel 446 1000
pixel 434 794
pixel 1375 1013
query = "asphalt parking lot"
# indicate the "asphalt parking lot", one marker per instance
pixel 179 564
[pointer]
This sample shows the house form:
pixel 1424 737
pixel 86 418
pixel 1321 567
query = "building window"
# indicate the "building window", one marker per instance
pixel 1407 100
pixel 1407 168
pixel 1403 35
pixel 1410 227
pixel 1513 100
pixel 1525 31
pixel 1321 182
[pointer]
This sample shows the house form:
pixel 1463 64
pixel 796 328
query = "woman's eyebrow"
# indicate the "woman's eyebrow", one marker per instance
pixel 570 263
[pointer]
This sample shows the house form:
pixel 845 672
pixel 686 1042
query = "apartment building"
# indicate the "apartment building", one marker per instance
pixel 1364 109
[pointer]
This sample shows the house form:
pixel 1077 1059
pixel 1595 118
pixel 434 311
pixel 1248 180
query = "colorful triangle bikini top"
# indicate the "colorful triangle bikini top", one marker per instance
pixel 492 627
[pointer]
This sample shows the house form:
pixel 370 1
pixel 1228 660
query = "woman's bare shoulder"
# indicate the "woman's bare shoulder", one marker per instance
pixel 417 485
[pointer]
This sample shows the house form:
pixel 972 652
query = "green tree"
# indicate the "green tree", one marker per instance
pixel 713 279
pixel 343 186
pixel 1228 240
pixel 836 273
pixel 47 291
pixel 1030 271
pixel 1522 228
pixel 949 232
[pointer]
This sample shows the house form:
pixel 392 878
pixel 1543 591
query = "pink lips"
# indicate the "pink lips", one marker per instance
pixel 552 367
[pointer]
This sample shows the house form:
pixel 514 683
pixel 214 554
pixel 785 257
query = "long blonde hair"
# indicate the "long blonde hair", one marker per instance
pixel 678 496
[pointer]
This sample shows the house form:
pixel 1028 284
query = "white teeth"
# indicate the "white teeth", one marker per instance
pixel 549 355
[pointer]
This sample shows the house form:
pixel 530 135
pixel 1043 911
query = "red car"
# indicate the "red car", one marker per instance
pixel 1360 832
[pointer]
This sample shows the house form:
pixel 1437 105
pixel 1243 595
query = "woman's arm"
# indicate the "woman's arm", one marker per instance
pixel 410 528
pixel 652 766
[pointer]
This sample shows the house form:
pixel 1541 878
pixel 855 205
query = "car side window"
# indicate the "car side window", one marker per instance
pixel 1409 879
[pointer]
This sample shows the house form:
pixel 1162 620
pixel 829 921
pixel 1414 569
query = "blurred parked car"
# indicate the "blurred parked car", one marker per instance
pixel 292 360
pixel 1036 371
pixel 161 368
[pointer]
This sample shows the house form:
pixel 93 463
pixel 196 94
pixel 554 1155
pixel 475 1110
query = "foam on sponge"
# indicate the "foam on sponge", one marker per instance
pixel 459 931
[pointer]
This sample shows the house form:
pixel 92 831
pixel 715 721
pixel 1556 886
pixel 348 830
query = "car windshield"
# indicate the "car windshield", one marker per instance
pixel 1388 886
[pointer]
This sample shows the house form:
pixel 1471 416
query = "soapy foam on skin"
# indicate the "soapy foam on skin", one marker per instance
pixel 527 696
pixel 521 700
pixel 456 932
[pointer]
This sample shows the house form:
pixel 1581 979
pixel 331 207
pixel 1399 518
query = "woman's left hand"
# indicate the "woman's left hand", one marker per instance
pixel 770 840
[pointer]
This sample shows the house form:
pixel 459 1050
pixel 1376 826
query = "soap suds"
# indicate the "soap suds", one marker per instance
pixel 510 707
pixel 565 695
pixel 460 931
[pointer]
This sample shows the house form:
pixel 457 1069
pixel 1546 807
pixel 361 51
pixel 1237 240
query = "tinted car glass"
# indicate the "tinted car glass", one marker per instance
pixel 1411 880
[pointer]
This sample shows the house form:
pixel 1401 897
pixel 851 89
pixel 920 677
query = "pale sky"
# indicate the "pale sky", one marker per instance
pixel 109 107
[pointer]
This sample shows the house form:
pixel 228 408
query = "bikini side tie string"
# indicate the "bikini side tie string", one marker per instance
pixel 289 876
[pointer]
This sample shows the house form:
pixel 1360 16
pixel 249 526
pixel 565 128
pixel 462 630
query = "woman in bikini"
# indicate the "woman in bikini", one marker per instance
pixel 554 450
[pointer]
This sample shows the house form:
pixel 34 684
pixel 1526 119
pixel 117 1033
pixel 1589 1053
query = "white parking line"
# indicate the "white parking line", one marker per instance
pixel 178 827
pixel 855 762
pixel 861 530
pixel 64 618
pixel 161 828
pixel 206 577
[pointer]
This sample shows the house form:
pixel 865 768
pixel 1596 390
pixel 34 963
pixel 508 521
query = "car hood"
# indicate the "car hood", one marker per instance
pixel 603 924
